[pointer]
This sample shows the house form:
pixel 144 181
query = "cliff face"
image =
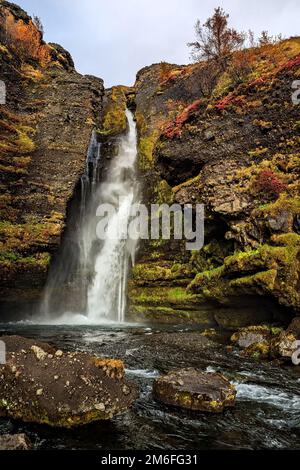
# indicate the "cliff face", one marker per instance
pixel 231 141
pixel 227 139
pixel 45 129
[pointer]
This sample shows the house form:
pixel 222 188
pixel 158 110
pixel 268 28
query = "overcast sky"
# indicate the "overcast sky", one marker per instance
pixel 113 39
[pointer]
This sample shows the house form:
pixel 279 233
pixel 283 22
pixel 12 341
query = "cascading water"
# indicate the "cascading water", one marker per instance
pixel 106 296
pixel 97 269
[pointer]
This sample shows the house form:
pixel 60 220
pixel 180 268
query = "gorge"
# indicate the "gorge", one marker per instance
pixel 228 139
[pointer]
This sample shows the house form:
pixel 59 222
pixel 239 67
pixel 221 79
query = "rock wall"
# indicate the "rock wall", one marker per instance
pixel 231 142
pixel 45 129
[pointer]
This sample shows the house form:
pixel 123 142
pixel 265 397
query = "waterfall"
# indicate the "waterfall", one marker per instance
pixel 94 273
pixel 106 297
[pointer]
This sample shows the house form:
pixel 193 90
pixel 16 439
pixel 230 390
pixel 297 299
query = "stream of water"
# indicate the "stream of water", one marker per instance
pixel 100 265
pixel 266 414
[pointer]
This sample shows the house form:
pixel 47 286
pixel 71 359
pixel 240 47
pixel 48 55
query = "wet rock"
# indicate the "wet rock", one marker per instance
pixel 285 345
pixel 280 223
pixel 39 352
pixel 230 204
pixel 209 136
pixel 294 327
pixel 15 442
pixel 258 342
pixel 193 390
pixel 246 337
pixel 70 389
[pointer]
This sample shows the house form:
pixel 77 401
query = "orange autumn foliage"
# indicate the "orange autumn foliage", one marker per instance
pixel 26 40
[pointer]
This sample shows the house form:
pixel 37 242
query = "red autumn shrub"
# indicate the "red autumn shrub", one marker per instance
pixel 269 184
pixel 257 81
pixel 174 129
pixel 292 63
pixel 224 102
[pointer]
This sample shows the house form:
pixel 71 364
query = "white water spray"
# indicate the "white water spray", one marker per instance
pixel 102 266
pixel 107 293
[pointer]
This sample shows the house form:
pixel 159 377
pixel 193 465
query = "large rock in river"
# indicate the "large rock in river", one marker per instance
pixel 15 442
pixel 43 385
pixel 193 390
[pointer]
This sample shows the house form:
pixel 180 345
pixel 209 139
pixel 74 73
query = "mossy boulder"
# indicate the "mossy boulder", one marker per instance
pixel 286 343
pixel 245 337
pixel 40 384
pixel 193 390
pixel 266 342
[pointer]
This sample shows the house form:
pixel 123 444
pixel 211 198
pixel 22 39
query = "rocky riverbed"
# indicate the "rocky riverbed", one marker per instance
pixel 266 413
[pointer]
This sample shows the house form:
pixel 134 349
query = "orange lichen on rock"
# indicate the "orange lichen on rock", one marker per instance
pixel 26 39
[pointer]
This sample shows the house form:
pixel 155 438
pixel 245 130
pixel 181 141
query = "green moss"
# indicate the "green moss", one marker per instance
pixel 258 350
pixel 114 120
pixel 151 273
pixel 264 280
pixel 286 239
pixel 15 261
pixel 9 256
pixel 161 296
pixel 284 202
pixel 268 270
pixel 25 237
pixel 146 150
pixel 223 86
pixel 163 193
pixel 189 183
pixel 275 330
pixel 258 152
pixel 206 278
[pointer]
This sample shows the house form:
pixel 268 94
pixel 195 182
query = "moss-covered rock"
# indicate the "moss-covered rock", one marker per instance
pixel 237 152
pixel 75 390
pixel 114 120
pixel 45 129
pixel 268 270
pixel 193 390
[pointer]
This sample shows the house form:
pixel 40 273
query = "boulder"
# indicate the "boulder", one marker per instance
pixel 287 343
pixel 263 341
pixel 15 442
pixel 257 341
pixel 194 390
pixel 246 337
pixel 65 389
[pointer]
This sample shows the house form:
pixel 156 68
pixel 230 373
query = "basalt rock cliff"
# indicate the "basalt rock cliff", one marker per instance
pixel 45 129
pixel 229 140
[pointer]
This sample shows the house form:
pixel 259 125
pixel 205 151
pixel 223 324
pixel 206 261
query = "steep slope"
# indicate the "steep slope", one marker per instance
pixel 45 129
